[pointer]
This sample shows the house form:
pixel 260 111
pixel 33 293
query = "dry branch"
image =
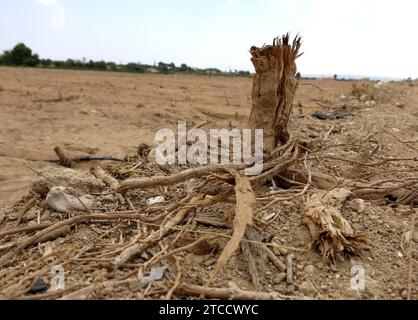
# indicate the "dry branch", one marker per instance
pixel 26 208
pixel 64 161
pixel 233 293
pixel 252 266
pixel 45 233
pixel 151 182
pixel 138 248
pixel 99 173
pixel 243 218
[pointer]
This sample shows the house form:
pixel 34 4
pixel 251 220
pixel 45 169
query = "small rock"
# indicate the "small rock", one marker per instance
pixel 62 201
pixel 281 277
pixel 408 236
pixel 80 181
pixel 285 229
pixel 120 198
pixel 357 205
pixel 364 98
pixel 39 287
pixel 156 200
pixel 299 267
pixel 352 294
pixel 291 290
pixel 280 251
pixel 370 104
pixel 107 198
pixel 415 236
pixel 31 214
pixel 404 294
pixel 310 269
pixel 323 116
pixel 307 289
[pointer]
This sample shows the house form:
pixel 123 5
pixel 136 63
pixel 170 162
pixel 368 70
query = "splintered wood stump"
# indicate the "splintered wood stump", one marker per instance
pixel 274 88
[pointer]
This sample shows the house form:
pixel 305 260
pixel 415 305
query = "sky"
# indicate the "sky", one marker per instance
pixel 343 37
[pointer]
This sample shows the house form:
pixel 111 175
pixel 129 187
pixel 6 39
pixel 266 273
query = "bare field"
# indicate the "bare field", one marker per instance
pixel 99 113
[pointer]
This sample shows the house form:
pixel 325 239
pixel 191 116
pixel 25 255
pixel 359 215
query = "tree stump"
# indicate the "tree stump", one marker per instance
pixel 274 88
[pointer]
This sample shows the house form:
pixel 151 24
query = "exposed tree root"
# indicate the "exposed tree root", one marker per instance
pixel 232 293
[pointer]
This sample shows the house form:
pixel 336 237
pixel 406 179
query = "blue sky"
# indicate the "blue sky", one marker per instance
pixel 362 37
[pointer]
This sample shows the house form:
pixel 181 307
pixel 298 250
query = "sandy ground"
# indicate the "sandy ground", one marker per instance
pixel 94 113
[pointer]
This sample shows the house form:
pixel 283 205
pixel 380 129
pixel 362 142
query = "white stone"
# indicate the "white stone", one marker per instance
pixel 310 269
pixel 156 200
pixel 281 277
pixel 357 205
pixel 80 181
pixel 61 200
pixel 307 289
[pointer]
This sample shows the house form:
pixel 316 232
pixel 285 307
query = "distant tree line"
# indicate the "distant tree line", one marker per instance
pixel 21 55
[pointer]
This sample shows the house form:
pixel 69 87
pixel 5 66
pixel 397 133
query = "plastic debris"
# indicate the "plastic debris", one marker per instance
pixel 154 201
pixel 156 274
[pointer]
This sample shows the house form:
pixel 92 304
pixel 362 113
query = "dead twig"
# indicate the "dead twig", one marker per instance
pixel 232 293
pixel 45 233
pixel 243 218
pixel 137 248
pixel 99 173
pixel 151 182
pixel 252 267
pixel 177 281
pixel 26 208
pixel 64 161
